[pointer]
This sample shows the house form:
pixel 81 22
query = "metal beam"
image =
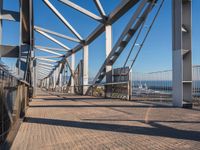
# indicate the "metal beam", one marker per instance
pixel 59 70
pixel 41 76
pixel 51 48
pixel 100 8
pixel 49 60
pixel 47 64
pixel 52 39
pixel 58 14
pixel 73 69
pixel 25 21
pixel 108 34
pixel 48 67
pixel 125 37
pixel 9 51
pixel 60 80
pixel 57 34
pixel 26 40
pixel 85 68
pixel 182 52
pixel 44 69
pixel 119 11
pixel 54 56
pixel 43 72
pixel 35 77
pixel 61 67
pixel 54 78
pixel 10 15
pixel 1 23
pixel 44 66
pixel 82 10
pixel 49 56
pixel 70 69
pixel 48 51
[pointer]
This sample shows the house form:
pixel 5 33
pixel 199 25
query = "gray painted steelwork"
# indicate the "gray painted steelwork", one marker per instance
pixel 182 52
pixel 52 69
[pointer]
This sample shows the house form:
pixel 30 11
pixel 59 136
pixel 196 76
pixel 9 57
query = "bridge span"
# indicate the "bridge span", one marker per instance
pixel 50 99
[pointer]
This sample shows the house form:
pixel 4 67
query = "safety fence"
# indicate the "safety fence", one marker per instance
pixel 159 84
pixel 14 97
pixel 147 86
pixel 121 90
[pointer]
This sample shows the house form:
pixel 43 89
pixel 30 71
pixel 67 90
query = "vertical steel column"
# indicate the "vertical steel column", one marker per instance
pixel 108 32
pixel 73 70
pixel 85 69
pixel 64 75
pixel 60 77
pixel 26 41
pixel 130 84
pixel 60 81
pixel 33 63
pixel 57 76
pixel 54 79
pixel 34 75
pixel 1 23
pixel 50 82
pixel 182 53
pixel 47 86
pixel 45 83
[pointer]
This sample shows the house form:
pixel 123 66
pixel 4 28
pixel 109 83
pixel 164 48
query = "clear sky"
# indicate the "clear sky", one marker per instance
pixel 155 55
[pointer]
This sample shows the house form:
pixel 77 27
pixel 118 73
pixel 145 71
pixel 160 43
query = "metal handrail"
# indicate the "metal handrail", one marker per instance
pixel 9 102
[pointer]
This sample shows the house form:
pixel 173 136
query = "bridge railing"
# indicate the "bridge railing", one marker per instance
pixel 155 85
pixel 159 84
pixel 196 82
pixel 14 97
pixel 120 90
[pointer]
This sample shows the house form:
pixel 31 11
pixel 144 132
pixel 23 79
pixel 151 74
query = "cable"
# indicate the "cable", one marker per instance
pixel 146 35
pixel 135 41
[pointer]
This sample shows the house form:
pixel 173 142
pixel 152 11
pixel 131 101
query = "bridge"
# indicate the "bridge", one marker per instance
pixel 49 101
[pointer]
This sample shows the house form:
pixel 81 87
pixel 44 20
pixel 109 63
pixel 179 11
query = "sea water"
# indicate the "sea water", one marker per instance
pixel 163 86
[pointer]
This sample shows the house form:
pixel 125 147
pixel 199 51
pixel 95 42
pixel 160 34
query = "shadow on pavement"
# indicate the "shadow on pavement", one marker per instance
pixel 157 130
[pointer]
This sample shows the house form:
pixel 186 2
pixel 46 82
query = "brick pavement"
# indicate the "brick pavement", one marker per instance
pixel 82 122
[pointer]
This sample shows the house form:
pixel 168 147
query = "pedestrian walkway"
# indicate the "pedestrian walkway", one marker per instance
pixel 83 122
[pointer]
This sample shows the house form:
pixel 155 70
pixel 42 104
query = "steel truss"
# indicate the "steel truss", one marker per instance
pixel 49 69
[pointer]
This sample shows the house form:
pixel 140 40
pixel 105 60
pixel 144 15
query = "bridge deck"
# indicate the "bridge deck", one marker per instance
pixel 80 122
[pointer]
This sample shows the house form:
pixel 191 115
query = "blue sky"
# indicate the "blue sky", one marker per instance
pixel 155 55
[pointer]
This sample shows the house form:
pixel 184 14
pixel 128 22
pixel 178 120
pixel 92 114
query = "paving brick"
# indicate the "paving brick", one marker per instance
pixel 83 122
